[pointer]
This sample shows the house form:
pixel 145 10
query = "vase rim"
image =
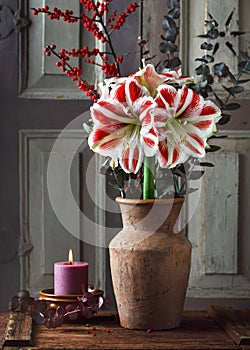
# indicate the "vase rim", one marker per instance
pixel 149 201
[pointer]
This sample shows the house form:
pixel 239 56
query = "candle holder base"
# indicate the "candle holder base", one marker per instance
pixel 63 300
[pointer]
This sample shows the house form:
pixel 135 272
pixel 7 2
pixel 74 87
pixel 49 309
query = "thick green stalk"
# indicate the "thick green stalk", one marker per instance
pixel 149 178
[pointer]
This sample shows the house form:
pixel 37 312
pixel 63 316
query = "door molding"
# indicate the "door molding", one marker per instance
pixel 35 148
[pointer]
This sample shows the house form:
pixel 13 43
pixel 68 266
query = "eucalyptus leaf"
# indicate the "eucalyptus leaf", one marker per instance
pixel 174 13
pixel 243 81
pixel 244 55
pixel 195 175
pixel 208 58
pixel 213 33
pixel 201 60
pixel 210 25
pixel 213 148
pixel 168 23
pixel 244 66
pixel 211 165
pixel 171 34
pixel 202 69
pixel 178 172
pixel 237 89
pixel 203 36
pixel 232 77
pixel 220 70
pixel 224 119
pixel 173 3
pixel 174 63
pixel 232 106
pixel 167 47
pixel 207 46
pixel 228 90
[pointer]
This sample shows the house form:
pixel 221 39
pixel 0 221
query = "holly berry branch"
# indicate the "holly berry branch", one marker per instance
pixel 93 19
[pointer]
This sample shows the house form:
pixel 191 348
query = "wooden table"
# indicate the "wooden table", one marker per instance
pixel 196 332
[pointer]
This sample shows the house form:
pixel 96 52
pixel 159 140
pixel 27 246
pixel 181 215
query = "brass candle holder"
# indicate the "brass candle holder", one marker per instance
pixel 63 300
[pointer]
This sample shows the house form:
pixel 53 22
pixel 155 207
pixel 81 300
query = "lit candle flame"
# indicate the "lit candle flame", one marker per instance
pixel 70 256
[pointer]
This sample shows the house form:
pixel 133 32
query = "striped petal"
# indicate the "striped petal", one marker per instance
pixel 131 157
pixel 110 112
pixel 133 92
pixel 167 98
pixel 149 140
pixel 170 153
pixel 107 141
pixel 149 78
pixel 195 143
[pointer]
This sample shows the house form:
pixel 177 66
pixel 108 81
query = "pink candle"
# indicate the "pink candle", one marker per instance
pixel 70 277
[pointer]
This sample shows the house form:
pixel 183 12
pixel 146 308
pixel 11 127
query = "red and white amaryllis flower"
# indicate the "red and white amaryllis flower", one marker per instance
pixel 184 121
pixel 150 79
pixel 123 125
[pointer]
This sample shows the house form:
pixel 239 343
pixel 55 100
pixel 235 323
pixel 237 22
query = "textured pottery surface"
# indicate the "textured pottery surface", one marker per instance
pixel 150 265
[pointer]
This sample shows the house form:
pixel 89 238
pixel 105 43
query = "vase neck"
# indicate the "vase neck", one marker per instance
pixel 151 215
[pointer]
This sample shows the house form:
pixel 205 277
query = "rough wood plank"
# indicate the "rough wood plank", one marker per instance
pixel 196 332
pixel 18 330
pixel 235 322
pixel 222 198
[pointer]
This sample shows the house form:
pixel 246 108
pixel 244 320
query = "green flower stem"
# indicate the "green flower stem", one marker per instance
pixel 149 178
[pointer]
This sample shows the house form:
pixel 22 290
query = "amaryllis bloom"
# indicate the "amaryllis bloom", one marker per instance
pixel 184 121
pixel 150 79
pixel 123 125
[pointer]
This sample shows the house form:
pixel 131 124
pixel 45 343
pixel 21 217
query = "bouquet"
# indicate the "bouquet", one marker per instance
pixel 153 125
pixel 148 118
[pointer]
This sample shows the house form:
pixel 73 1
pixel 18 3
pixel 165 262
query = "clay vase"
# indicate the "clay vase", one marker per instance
pixel 150 264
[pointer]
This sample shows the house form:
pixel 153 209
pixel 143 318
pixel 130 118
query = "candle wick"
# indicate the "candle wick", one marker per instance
pixel 70 262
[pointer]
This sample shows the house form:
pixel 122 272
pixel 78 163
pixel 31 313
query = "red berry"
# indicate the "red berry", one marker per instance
pixel 149 331
pixel 35 12
pixel 108 330
pixel 87 325
pixel 94 334
pixel 126 189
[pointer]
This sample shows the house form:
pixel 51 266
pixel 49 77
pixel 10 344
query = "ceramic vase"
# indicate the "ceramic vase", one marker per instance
pixel 150 264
